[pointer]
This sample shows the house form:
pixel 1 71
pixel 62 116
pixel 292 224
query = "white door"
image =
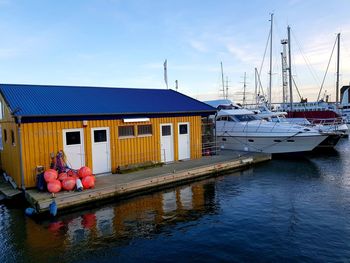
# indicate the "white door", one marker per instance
pixel 73 147
pixel 166 143
pixel 184 141
pixel 101 158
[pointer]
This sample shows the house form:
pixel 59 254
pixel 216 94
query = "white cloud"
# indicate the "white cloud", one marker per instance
pixel 198 45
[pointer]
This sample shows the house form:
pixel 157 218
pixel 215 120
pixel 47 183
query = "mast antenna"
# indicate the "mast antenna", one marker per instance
pixel 270 72
pixel 223 81
pixel 337 83
pixel 290 71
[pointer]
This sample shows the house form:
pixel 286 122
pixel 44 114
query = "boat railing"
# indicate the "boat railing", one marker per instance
pixel 327 121
pixel 210 148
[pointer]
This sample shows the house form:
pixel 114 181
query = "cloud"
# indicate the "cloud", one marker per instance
pixel 317 52
pixel 180 67
pixel 198 45
pixel 244 54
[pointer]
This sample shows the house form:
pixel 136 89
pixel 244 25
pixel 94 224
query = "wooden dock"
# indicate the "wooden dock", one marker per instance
pixel 7 191
pixel 118 185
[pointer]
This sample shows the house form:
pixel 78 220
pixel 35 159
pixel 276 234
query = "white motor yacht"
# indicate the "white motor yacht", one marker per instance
pixel 241 129
pixel 335 129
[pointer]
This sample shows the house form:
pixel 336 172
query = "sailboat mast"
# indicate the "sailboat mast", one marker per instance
pixel 290 71
pixel 226 87
pixel 256 85
pixel 337 84
pixel 223 82
pixel 270 73
pixel 284 43
pixel 244 87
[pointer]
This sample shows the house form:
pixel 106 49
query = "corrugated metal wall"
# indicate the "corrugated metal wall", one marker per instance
pixel 41 139
pixel 10 153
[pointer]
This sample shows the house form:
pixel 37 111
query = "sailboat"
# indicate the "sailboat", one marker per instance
pixel 320 111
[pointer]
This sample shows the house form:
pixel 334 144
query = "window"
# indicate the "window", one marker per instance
pixel 166 130
pixel 5 135
pixel 126 131
pixel 243 118
pixel 73 138
pixel 222 118
pixel 144 129
pixel 13 138
pixel 100 136
pixel 183 129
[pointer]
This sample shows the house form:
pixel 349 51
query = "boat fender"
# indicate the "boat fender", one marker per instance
pixel 30 211
pixel 53 208
pixel 40 182
pixel 79 185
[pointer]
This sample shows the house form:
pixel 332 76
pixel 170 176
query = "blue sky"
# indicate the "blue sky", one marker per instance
pixel 124 43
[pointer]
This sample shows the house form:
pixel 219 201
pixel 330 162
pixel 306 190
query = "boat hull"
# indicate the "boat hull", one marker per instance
pixel 330 142
pixel 314 115
pixel 267 144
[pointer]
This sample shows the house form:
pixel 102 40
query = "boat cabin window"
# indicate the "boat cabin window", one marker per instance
pixel 225 118
pixel 245 117
pixel 226 107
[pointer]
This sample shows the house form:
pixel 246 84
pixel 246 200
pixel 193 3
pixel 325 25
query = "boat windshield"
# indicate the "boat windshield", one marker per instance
pixel 246 117
pixel 227 107
pixel 225 118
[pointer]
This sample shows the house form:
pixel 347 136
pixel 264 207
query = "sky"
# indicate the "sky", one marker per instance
pixel 124 43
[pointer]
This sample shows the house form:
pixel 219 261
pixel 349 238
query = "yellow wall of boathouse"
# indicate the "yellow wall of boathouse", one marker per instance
pixel 42 138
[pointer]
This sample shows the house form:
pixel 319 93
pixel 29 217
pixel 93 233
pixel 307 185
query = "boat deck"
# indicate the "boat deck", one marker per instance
pixel 117 185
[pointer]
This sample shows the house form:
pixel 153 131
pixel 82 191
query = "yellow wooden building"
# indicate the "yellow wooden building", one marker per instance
pixel 103 128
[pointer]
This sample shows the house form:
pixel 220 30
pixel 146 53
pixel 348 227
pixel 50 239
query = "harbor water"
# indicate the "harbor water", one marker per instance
pixel 289 209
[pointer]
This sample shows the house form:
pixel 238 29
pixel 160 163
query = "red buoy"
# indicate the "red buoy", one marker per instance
pixel 50 175
pixel 72 173
pixel 84 171
pixel 68 183
pixel 89 220
pixel 88 182
pixel 62 176
pixel 54 186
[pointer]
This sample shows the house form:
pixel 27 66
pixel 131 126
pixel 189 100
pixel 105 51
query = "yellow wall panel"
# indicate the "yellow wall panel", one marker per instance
pixel 40 139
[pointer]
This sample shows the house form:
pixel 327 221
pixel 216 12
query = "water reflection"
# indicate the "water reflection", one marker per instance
pixel 285 210
pixel 119 223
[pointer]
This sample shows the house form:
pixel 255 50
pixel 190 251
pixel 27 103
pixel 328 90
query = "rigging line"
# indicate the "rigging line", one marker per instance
pixel 296 87
pixel 308 64
pixel 267 44
pixel 325 74
pixel 260 85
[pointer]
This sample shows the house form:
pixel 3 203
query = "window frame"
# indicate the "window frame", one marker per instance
pixel 80 138
pixel 13 140
pixel 145 134
pixel 5 136
pixel 126 136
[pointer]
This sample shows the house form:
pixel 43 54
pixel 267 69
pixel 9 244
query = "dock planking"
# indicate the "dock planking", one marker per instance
pixel 117 185
pixel 7 191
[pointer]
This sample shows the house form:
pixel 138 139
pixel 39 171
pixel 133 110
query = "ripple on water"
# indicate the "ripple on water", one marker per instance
pixel 294 209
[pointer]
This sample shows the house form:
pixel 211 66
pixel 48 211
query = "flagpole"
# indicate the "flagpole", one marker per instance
pixel 166 73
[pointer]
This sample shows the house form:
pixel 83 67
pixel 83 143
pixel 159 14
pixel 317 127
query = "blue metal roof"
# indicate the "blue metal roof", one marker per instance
pixel 46 100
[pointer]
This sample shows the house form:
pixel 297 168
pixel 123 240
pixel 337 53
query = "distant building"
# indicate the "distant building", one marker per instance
pixel 103 128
